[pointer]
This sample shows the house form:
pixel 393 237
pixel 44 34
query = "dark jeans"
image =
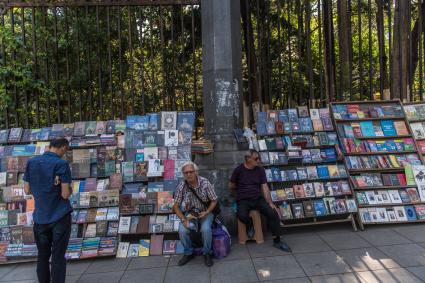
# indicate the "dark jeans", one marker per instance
pixel 260 204
pixel 52 240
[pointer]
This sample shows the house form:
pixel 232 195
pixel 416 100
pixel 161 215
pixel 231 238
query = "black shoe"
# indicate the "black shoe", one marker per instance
pixel 185 259
pixel 250 232
pixel 208 260
pixel 282 246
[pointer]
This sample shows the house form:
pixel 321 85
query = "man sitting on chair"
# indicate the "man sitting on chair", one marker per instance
pixel 190 209
pixel 249 186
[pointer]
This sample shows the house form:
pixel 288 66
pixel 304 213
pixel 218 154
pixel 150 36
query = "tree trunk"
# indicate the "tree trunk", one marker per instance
pixel 415 38
pixel 344 49
pixel 384 82
pixel 329 50
pixel 249 50
pixel 400 50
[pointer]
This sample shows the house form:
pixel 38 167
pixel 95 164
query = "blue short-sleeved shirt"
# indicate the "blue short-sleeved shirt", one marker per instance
pixel 40 174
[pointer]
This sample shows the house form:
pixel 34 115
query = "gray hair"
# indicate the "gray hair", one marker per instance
pixel 190 163
pixel 249 153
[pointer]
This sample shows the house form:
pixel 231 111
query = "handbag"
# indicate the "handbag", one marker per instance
pixel 216 211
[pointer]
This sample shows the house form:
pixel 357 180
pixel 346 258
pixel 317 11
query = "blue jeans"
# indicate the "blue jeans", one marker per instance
pixel 206 230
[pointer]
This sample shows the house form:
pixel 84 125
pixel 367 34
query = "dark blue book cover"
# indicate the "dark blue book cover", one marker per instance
pixel 271 128
pixel 292 115
pixel 185 120
pixel 283 116
pixel 45 133
pixel 170 185
pixel 261 129
pixel 320 208
pixel 149 138
pixel 153 121
pixel 276 174
pixel 388 128
pixel 262 117
pixel 132 188
pixel 410 213
pixel 155 186
pixel 322 171
pixel 305 125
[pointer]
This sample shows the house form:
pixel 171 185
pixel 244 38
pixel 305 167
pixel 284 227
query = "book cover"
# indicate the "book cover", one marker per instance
pixel 122 250
pixel 169 247
pixel 124 224
pixel 185 121
pixel 15 135
pixel 297 210
pixel 171 138
pixel 144 247
pixel 156 244
pixel 400 127
pixel 309 210
pixel 320 208
pixel 410 213
pixel 388 128
pixel 299 191
pixel 153 121
pixel 367 129
pixel 168 120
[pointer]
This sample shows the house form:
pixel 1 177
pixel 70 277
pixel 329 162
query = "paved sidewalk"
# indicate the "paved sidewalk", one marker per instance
pixel 332 254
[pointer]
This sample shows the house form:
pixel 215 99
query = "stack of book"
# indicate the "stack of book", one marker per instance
pixel 73 250
pixel 379 146
pixel 90 247
pixel 202 147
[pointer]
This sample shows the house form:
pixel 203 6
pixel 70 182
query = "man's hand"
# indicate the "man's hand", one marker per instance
pixel 203 214
pixel 272 205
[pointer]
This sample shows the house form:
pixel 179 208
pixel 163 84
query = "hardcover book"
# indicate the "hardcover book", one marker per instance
pixel 168 120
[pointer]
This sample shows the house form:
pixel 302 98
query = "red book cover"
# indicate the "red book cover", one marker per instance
pixel 169 166
pixel 402 179
pixel 299 191
pixel 421 145
pixel 279 127
pixel 91 184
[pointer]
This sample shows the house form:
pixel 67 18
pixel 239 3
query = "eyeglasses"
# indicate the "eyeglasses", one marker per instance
pixel 188 172
pixel 257 158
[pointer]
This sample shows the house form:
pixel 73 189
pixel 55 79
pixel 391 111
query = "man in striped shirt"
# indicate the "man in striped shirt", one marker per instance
pixel 192 211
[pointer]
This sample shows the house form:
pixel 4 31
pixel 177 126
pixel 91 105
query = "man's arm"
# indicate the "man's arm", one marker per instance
pixel 232 188
pixel 266 194
pixel 65 190
pixel 180 215
pixel 27 188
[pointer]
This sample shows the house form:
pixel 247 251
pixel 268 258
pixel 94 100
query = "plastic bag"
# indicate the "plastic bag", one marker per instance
pixel 221 240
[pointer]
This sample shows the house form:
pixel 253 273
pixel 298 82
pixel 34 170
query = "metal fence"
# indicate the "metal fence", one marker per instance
pixel 87 60
pixel 313 52
pixel 82 60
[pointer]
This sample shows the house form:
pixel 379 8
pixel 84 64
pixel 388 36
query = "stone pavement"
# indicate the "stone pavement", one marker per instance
pixel 332 254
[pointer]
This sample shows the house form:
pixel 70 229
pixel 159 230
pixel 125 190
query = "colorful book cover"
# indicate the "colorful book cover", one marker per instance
pixel 144 247
pixel 388 128
pixel 367 128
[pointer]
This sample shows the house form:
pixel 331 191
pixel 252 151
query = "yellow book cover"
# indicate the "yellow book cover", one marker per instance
pixel 144 246
pixel 333 171
pixel 281 195
pixel 394 161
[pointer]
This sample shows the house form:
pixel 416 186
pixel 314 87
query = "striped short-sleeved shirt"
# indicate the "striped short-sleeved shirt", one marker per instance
pixel 187 201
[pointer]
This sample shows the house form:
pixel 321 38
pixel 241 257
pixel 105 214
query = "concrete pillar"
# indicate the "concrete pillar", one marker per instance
pixel 222 96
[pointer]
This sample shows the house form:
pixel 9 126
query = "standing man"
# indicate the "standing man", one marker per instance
pixel 249 186
pixel 47 178
pixel 190 209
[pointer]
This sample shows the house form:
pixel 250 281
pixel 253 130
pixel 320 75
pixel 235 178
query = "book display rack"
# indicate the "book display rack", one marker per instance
pixel 415 114
pixel 123 171
pixel 151 171
pixel 95 203
pixel 378 146
pixel 308 180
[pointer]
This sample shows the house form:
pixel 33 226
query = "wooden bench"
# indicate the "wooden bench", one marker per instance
pixel 258 235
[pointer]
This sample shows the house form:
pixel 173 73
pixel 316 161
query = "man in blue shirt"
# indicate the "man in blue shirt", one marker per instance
pixel 47 178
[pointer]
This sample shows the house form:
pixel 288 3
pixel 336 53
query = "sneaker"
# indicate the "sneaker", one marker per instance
pixel 282 246
pixel 250 232
pixel 185 259
pixel 208 260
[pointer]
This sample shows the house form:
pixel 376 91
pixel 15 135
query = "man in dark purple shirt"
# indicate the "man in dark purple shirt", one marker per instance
pixel 249 185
